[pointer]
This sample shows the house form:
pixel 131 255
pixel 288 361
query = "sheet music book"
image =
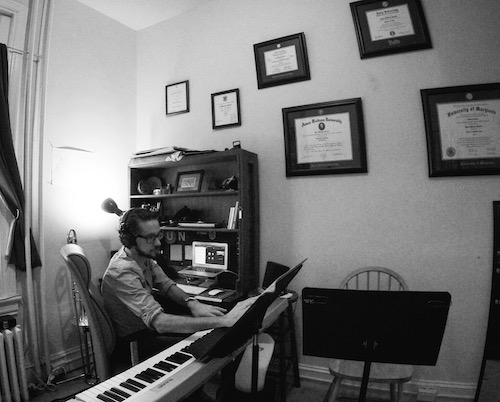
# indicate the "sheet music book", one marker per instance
pixel 221 342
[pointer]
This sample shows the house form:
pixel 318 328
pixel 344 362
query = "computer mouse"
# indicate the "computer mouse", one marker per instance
pixel 214 292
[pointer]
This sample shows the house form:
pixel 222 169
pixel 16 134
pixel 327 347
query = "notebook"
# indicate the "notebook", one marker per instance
pixel 208 259
pixel 221 342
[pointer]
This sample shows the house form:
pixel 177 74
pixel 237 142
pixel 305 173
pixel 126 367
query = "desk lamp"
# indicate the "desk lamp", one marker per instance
pixel 109 205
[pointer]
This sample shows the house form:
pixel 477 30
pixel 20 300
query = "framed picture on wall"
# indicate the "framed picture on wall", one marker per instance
pixel 325 138
pixel 226 109
pixel 462 126
pixel 392 26
pixel 282 61
pixel 177 98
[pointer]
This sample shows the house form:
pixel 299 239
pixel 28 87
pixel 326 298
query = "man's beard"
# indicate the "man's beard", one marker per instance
pixel 149 255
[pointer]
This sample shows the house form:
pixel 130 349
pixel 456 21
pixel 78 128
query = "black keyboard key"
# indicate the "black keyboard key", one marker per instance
pixel 145 377
pixel 154 373
pixel 135 383
pixel 113 396
pixel 179 358
pixel 105 398
pixel 130 387
pixel 165 366
pixel 120 392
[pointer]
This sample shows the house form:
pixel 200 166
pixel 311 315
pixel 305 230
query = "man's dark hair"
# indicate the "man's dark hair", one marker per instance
pixel 129 224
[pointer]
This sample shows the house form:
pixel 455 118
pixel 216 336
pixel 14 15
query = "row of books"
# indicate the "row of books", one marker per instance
pixel 234 212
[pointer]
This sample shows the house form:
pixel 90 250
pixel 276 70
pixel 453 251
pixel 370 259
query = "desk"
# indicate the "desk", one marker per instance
pixel 189 378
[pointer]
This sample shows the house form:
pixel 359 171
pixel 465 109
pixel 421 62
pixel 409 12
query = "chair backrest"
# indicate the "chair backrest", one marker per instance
pixel 99 322
pixel 374 278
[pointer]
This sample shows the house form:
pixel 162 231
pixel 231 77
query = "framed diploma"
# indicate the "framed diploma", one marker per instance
pixel 177 98
pixel 462 127
pixel 325 138
pixel 226 109
pixel 392 26
pixel 282 61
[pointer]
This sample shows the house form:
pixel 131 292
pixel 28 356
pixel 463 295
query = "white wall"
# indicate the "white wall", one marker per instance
pixel 91 105
pixel 436 232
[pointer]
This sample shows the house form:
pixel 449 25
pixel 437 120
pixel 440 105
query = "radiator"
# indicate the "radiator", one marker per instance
pixel 13 381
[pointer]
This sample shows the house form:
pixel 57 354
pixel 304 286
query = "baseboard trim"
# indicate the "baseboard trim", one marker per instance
pixel 445 391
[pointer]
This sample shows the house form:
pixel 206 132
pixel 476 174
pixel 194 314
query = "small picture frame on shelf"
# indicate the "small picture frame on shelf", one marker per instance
pixel 189 181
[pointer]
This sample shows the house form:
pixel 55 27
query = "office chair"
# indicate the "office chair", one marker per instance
pixel 371 278
pixel 102 334
pixel 286 326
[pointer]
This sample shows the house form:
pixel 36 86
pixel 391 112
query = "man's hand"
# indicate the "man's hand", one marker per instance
pixel 205 310
pixel 237 311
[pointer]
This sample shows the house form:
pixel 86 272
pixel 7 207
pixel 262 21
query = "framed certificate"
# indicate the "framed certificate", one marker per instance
pixel 177 98
pixel 226 109
pixel 282 61
pixel 325 138
pixel 462 127
pixel 392 26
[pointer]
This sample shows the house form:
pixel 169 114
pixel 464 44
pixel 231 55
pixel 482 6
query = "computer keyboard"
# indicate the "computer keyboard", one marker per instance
pixel 206 269
pixel 191 289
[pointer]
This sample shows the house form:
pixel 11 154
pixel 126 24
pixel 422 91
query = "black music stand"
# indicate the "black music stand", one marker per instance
pixel 374 326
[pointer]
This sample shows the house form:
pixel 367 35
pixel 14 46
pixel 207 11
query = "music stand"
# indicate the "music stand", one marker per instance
pixel 374 326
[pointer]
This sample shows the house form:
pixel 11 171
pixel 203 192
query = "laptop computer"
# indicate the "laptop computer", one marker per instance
pixel 221 342
pixel 208 260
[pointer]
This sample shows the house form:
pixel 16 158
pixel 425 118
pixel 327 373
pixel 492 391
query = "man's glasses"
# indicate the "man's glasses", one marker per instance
pixel 150 239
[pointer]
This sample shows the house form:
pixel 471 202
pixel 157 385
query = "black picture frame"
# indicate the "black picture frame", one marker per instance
pixel 462 129
pixel 391 26
pixel 177 98
pixel 282 61
pixel 189 181
pixel 331 139
pixel 226 109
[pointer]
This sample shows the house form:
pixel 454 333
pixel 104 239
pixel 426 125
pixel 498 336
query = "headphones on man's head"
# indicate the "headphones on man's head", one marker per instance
pixel 129 222
pixel 125 231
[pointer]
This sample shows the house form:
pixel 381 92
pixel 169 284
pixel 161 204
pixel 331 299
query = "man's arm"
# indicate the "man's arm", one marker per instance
pixel 172 323
pixel 197 309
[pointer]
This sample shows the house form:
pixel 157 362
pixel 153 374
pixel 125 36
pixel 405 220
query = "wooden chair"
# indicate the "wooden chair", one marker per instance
pixel 100 325
pixel 371 278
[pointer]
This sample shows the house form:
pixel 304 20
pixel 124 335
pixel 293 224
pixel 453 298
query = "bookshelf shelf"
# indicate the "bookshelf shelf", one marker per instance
pixel 163 196
pixel 211 204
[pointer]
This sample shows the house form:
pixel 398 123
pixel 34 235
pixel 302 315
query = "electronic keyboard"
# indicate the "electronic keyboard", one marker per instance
pixel 144 381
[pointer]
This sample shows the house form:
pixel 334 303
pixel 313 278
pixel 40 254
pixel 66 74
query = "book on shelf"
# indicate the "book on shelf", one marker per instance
pixel 234 212
pixel 230 218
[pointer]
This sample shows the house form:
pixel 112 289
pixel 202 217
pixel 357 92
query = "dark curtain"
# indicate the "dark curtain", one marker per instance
pixel 10 180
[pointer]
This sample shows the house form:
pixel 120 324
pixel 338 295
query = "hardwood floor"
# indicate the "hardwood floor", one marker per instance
pixel 312 392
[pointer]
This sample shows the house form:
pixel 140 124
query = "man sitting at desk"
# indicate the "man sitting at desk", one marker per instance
pixel 133 276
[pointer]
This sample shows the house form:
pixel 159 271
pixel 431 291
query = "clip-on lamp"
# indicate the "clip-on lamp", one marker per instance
pixel 109 206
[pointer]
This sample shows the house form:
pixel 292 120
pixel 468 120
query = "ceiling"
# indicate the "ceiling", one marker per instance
pixel 140 14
